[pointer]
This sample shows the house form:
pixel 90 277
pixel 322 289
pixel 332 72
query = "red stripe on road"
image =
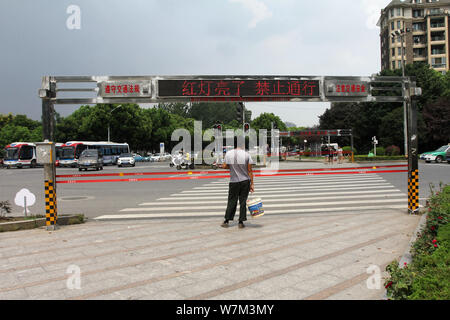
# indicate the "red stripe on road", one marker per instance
pixel 121 174
pixel 227 176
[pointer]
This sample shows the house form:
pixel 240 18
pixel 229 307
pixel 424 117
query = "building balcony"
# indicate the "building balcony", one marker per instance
pixel 420 45
pixel 439 66
pixel 438 52
pixel 420 58
pixel 439 26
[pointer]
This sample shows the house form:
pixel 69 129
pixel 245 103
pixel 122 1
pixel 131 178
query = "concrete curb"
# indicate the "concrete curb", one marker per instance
pixel 40 222
pixel 407 257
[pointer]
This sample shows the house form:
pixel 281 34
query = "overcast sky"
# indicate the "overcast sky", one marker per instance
pixel 183 37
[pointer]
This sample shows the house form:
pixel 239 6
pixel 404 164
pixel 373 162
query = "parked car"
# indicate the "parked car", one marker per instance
pixel 126 159
pixel 138 158
pixel 448 156
pixel 156 157
pixel 439 155
pixel 90 158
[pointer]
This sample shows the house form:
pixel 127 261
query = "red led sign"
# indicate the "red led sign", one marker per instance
pixel 350 88
pixel 118 89
pixel 238 88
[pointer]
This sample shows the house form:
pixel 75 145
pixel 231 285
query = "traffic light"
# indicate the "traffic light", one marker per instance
pixel 218 126
pixel 246 127
pixel 240 112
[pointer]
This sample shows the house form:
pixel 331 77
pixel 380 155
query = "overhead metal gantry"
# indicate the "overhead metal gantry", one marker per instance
pixel 228 88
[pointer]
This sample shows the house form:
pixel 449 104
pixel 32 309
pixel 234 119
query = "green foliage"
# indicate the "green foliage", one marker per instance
pixel 428 276
pixel 385 120
pixel 378 158
pixel 392 151
pixel 18 128
pixel 381 151
pixel 265 120
pixel 349 149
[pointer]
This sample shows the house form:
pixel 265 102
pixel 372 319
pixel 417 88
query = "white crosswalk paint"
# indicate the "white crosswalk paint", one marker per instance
pixel 183 198
pixel 291 199
pixel 347 210
pixel 309 179
pixel 283 205
pixel 305 189
pixel 286 195
pixel 311 186
pixel 225 187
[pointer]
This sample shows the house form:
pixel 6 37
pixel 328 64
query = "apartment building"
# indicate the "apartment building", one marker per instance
pixel 415 30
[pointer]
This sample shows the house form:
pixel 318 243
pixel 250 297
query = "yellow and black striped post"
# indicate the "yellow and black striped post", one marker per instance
pixel 413 192
pixel 413 157
pixel 51 209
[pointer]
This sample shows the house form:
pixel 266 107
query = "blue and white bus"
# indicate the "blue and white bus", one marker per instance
pixel 71 151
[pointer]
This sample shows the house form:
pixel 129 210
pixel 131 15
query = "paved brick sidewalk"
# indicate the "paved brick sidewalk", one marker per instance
pixel 290 257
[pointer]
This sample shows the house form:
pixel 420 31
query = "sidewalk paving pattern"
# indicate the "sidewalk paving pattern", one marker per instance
pixel 317 240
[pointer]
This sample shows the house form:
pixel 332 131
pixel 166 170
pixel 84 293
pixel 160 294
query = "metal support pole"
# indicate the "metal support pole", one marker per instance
pixel 48 120
pixel 351 142
pixel 48 125
pixel 413 159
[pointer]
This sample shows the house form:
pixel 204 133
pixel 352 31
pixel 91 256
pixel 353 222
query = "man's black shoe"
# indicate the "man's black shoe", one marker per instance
pixel 225 224
pixel 241 225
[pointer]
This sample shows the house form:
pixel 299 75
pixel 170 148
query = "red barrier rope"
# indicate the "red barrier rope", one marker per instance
pixel 226 176
pixel 121 174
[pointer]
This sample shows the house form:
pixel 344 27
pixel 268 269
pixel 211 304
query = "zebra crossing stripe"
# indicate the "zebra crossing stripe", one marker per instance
pixel 359 187
pixel 319 179
pixel 296 199
pixel 310 186
pixel 327 210
pixel 177 197
pixel 284 205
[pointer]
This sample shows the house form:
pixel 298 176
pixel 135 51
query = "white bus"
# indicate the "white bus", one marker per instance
pixel 71 151
pixel 20 154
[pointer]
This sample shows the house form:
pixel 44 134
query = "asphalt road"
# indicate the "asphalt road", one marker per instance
pixel 100 199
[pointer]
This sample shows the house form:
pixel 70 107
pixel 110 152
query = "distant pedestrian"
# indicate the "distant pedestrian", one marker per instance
pixel 241 182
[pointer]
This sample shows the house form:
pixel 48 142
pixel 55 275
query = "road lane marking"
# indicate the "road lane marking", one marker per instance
pixel 221 214
pixel 284 205
pixel 175 197
pixel 283 189
pixel 299 198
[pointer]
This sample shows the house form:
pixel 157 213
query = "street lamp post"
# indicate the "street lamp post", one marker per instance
pixel 401 35
pixel 109 121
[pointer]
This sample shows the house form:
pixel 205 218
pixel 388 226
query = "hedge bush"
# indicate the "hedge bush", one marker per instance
pixel 378 158
pixel 428 276
pixel 381 151
pixel 392 151
pixel 349 148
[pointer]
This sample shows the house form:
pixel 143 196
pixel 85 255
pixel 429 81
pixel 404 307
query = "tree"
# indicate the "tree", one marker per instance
pixel 265 120
pixel 436 116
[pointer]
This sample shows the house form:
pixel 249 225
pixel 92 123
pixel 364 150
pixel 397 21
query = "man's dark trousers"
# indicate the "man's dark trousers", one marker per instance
pixel 238 191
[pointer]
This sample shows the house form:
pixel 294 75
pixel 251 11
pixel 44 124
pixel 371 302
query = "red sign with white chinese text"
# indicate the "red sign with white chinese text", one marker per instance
pixel 347 89
pixel 239 88
pixel 124 89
